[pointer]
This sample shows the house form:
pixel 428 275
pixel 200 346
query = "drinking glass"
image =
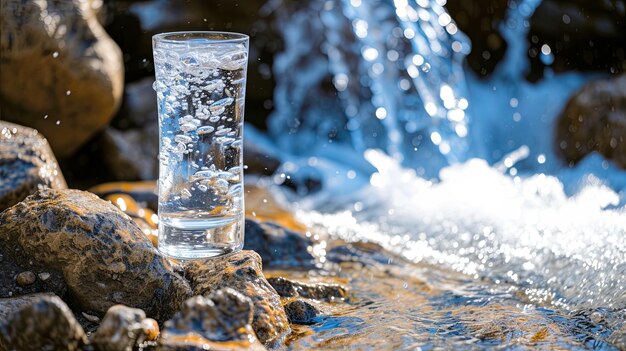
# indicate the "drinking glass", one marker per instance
pixel 200 86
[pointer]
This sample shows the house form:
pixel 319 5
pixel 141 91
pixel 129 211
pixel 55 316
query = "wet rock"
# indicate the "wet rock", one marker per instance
pixel 595 120
pixel 131 154
pixel 364 253
pixel 145 218
pixel 123 328
pixel 139 106
pixel 145 192
pixel 25 278
pixel 9 306
pixel 132 25
pixel 301 312
pixel 42 323
pixel 320 291
pixel 91 247
pixel 242 272
pixel 259 159
pixel 582 35
pixel 278 247
pixel 220 321
pixel 480 21
pixel 26 164
pixel 61 73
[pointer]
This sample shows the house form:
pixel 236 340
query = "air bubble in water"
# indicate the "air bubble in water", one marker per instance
pixel 205 130
pixel 183 139
pixel 188 127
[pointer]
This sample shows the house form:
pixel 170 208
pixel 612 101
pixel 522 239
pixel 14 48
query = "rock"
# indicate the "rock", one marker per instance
pixel 301 312
pixel 132 25
pixel 364 253
pixel 26 164
pixel 9 306
pixel 25 278
pixel 43 323
pixel 278 247
pixel 595 120
pixel 582 36
pixel 319 291
pixel 242 272
pixel 220 321
pixel 283 286
pixel 91 247
pixel 145 218
pixel 131 154
pixel 144 192
pixel 123 328
pixel 480 21
pixel 139 106
pixel 61 73
pixel 259 159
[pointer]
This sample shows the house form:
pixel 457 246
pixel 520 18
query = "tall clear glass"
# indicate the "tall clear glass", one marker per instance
pixel 200 86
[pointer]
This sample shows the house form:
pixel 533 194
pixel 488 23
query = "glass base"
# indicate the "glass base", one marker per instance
pixel 201 239
pixel 185 253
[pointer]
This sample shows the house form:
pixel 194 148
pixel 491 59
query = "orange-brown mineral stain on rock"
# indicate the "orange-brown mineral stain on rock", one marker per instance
pixel 242 271
pixel 260 205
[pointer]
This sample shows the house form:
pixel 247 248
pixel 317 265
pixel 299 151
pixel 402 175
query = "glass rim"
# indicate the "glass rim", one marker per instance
pixel 210 36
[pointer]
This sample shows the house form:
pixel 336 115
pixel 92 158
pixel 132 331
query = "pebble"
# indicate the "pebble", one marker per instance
pixel 301 312
pixel 150 328
pixel 91 318
pixel 44 276
pixel 25 278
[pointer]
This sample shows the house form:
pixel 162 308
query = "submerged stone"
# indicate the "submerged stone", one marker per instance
pixel 26 164
pixel 87 245
pixel 220 321
pixel 39 322
pixel 318 291
pixel 242 272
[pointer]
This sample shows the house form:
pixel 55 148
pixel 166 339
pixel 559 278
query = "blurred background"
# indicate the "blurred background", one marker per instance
pixel 330 71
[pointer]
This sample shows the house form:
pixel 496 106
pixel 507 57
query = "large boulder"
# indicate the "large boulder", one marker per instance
pixel 93 248
pixel 582 35
pixel 220 321
pixel 60 71
pixel 39 322
pixel 131 154
pixel 242 272
pixel 26 164
pixel 595 120
pixel 480 20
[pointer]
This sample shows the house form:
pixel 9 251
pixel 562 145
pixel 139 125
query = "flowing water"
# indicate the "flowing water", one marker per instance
pixel 379 113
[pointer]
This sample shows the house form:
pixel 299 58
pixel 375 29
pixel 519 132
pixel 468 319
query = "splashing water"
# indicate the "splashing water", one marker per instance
pixel 387 75
pixel 395 68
